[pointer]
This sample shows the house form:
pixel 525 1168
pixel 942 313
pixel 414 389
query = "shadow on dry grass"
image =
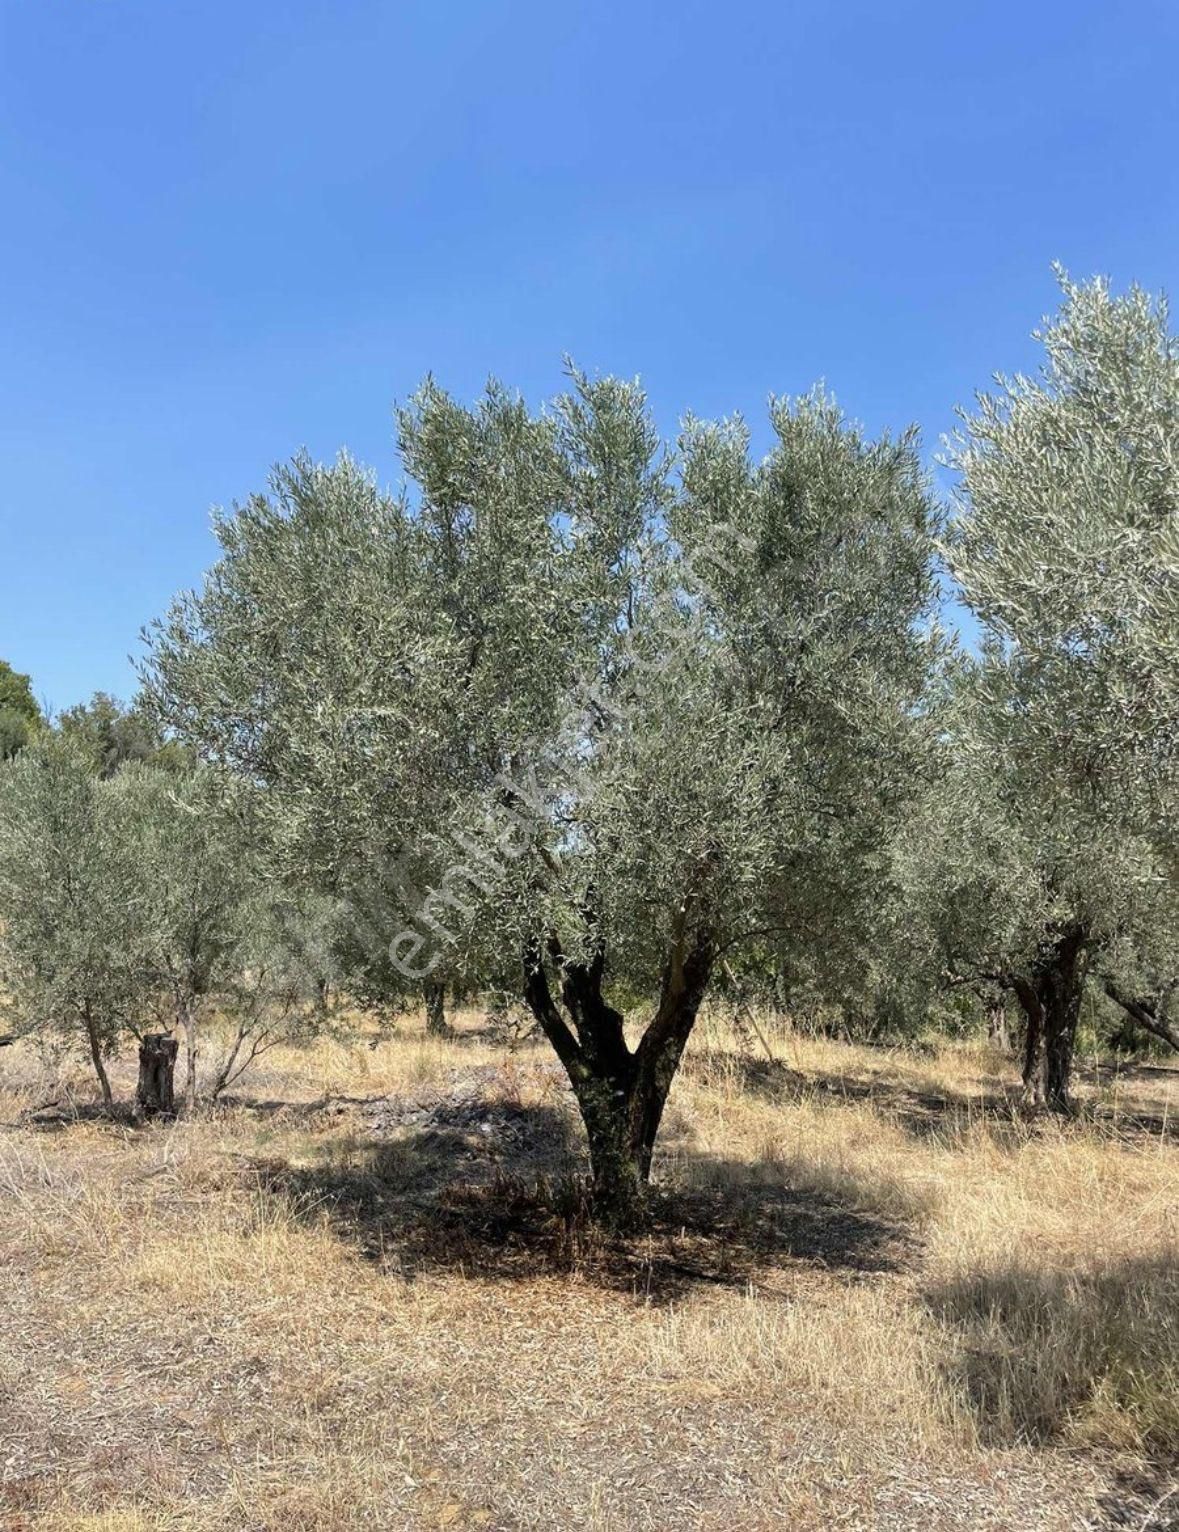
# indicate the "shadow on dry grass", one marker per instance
pixel 429 1202
pixel 923 1113
pixel 1089 1356
pixel 366 1292
pixel 931 1113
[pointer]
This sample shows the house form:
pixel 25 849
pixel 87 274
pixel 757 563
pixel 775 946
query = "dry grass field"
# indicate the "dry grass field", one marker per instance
pixel 363 1294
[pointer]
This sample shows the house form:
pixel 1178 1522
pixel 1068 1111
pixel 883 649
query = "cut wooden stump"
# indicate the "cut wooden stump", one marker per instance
pixel 157 1062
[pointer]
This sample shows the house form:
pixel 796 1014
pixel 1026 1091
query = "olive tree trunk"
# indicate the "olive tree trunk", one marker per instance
pixel 186 1018
pixel 998 1031
pixel 1033 1037
pixel 1050 997
pixel 95 1042
pixel 436 1009
pixel 621 1093
pixel 1062 982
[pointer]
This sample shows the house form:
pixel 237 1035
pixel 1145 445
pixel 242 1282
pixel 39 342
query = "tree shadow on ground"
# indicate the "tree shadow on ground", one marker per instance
pixel 55 1116
pixel 1042 1355
pixel 512 1204
pixel 1141 1498
pixel 929 1113
pixel 924 1113
pixel 1157 1116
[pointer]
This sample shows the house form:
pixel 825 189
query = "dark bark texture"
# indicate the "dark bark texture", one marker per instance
pixel 1033 1029
pixel 1050 997
pixel 155 1094
pixel 621 1093
pixel 436 1009
pixel 1062 981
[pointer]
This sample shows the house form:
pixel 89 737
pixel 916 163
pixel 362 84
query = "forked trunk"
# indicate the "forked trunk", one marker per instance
pixel 436 1009
pixel 1051 1003
pixel 621 1094
pixel 622 1120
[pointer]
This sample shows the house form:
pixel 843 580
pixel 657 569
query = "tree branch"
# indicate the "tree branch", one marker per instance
pixel 1143 1013
pixel 539 999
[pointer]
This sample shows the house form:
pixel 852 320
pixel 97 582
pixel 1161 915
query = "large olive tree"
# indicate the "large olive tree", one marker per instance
pixel 609 708
pixel 1067 549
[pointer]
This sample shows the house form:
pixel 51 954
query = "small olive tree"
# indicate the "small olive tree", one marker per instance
pixel 220 935
pixel 72 906
pixel 115 735
pixel 615 708
pixel 991 879
pixel 276 991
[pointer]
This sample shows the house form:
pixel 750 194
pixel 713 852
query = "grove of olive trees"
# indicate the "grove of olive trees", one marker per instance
pixel 601 720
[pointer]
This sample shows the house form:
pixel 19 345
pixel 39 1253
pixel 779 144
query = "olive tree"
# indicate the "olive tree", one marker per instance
pixel 71 902
pixel 1067 550
pixel 20 717
pixel 991 876
pixel 219 934
pixel 615 707
pixel 115 735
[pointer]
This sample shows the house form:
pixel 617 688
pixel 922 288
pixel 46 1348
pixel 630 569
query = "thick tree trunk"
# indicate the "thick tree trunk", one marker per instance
pixel 1061 986
pixel 1051 1002
pixel 1033 1036
pixel 621 1094
pixel 436 1009
pixel 616 1160
pixel 157 1063
pixel 96 1053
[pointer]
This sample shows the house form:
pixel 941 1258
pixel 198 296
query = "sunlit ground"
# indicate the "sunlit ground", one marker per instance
pixel 364 1294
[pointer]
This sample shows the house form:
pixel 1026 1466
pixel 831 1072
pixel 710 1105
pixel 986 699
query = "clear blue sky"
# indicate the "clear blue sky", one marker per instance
pixel 231 230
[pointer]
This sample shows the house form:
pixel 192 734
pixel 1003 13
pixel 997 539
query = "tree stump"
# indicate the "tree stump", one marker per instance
pixel 157 1061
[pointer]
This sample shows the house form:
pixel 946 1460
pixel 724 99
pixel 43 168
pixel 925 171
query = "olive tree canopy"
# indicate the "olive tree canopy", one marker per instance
pixel 1067 550
pixel 71 901
pixel 606 708
pixel 20 717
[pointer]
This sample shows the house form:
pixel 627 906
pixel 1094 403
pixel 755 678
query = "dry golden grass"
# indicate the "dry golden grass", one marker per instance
pixel 873 1296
